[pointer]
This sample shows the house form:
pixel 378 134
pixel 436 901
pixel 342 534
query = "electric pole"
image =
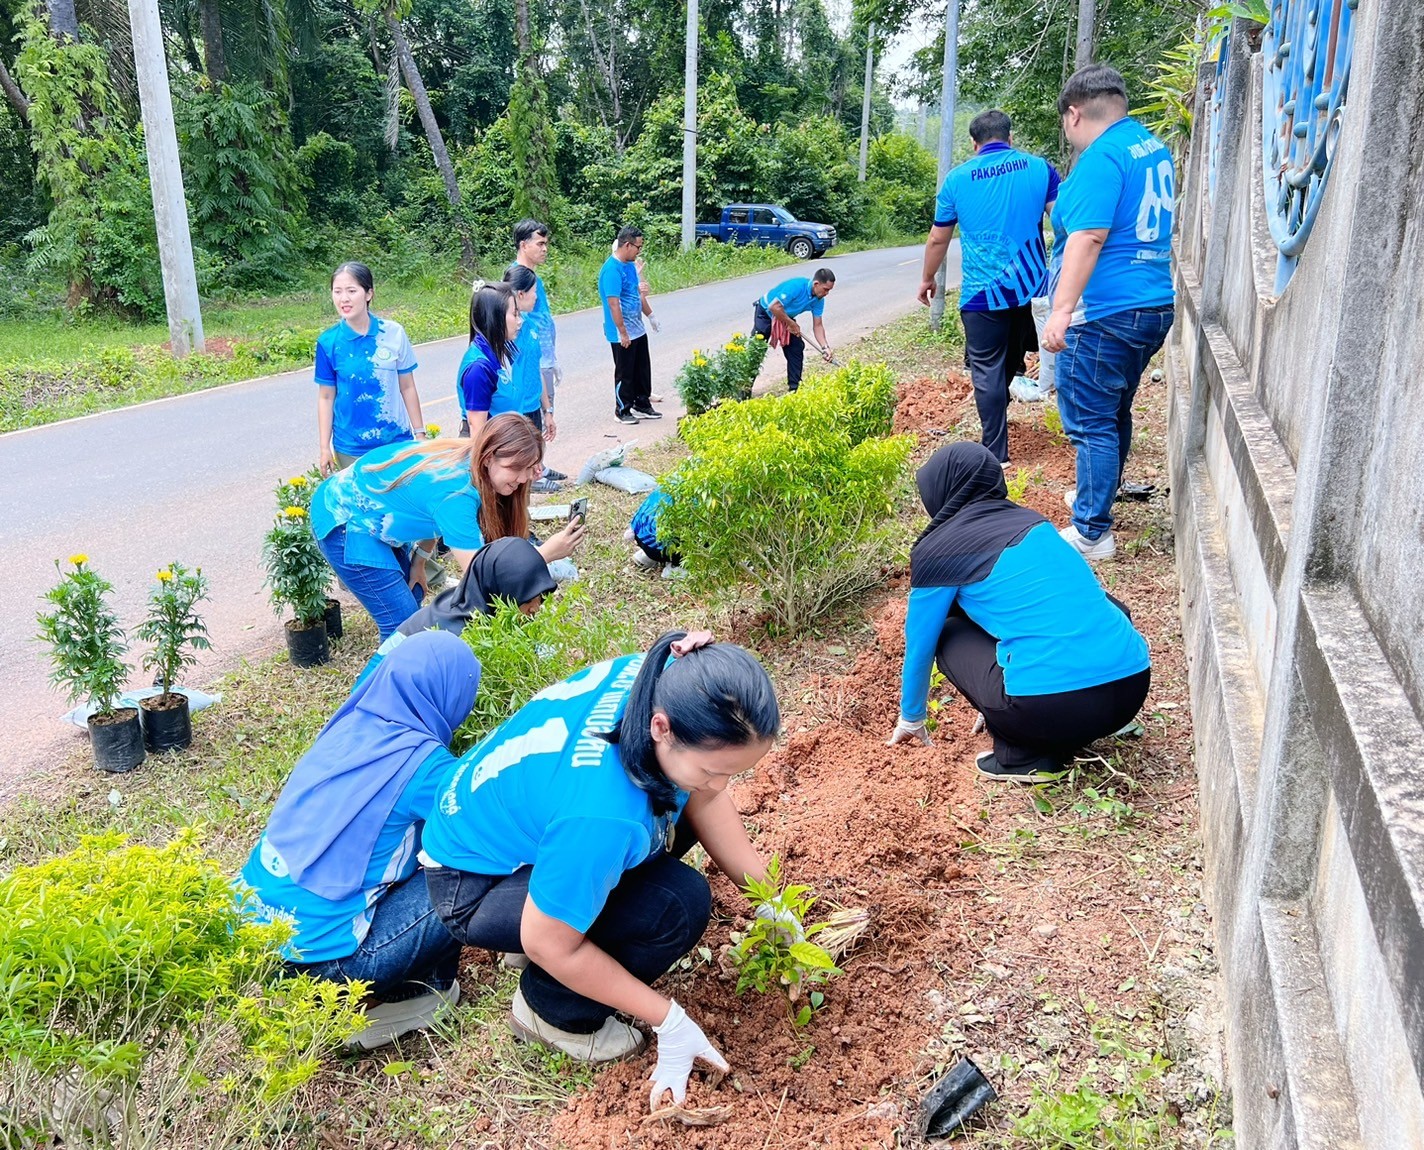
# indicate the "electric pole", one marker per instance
pixel 689 134
pixel 946 134
pixel 165 178
pixel 1087 18
pixel 865 103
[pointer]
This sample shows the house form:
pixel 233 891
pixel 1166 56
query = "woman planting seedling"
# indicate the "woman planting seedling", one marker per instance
pixel 375 521
pixel 560 836
pixel 338 857
pixel 1016 620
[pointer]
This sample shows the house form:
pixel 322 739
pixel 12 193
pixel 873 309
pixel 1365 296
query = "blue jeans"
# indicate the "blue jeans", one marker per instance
pixel 386 594
pixel 653 917
pixel 1098 373
pixel 406 953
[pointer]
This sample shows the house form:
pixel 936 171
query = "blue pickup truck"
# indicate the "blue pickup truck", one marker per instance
pixel 769 226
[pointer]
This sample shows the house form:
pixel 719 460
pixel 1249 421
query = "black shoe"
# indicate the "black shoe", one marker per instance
pixel 625 416
pixel 1038 771
pixel 556 476
pixel 646 412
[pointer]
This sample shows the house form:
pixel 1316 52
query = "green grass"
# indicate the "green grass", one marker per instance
pixel 53 366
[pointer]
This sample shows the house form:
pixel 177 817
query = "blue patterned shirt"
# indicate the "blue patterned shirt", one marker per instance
pixel 365 370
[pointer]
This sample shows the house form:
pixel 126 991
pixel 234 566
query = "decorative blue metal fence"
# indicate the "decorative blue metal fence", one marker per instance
pixel 1306 52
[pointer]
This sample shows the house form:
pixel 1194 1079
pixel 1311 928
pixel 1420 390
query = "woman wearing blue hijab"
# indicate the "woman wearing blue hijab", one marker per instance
pixel 338 858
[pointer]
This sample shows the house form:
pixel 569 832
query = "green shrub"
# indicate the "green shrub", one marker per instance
pixel 134 1010
pixel 867 393
pixel 521 655
pixel 776 492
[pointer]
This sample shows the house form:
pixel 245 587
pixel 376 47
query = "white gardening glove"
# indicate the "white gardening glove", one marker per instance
pixel 907 732
pixel 680 1044
pixel 788 926
pixel 653 322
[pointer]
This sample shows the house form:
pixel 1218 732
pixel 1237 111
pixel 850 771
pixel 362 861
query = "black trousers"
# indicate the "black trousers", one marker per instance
pixel 1030 727
pixel 995 343
pixel 632 375
pixel 654 916
pixel 658 555
pixel 794 348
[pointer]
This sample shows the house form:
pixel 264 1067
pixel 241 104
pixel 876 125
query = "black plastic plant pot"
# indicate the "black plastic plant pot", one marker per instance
pixel 117 739
pixel 957 1096
pixel 167 723
pixel 306 645
pixel 333 618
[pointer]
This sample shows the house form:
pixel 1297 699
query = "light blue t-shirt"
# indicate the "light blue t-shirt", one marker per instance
pixel 620 279
pixel 365 370
pixel 439 502
pixel 1056 627
pixel 521 386
pixel 1124 182
pixel 324 928
pixel 541 320
pixel 545 790
pixel 795 296
pixel 997 197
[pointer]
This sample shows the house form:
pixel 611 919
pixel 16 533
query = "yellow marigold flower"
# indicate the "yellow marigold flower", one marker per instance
pixel 432 430
pixel 297 481
pixel 294 512
pixel 79 559
pixel 165 576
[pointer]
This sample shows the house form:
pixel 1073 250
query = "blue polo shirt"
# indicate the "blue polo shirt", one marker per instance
pixel 795 296
pixel 997 197
pixel 365 370
pixel 1056 628
pixel 437 503
pixel 541 321
pixel 521 385
pixel 323 928
pixel 620 279
pixel 477 377
pixel 644 524
pixel 1126 182
pixel 545 790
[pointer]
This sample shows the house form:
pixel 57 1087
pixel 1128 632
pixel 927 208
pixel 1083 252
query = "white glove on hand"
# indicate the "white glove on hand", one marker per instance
pixel 653 322
pixel 907 731
pixel 788 926
pixel 680 1044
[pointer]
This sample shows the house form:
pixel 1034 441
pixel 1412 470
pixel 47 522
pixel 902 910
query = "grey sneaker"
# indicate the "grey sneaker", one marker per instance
pixel 387 1021
pixel 513 960
pixel 1070 497
pixel 1103 547
pixel 612 1041
pixel 545 486
pixel 1039 771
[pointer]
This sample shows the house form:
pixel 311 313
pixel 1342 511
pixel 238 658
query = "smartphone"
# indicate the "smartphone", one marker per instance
pixel 578 509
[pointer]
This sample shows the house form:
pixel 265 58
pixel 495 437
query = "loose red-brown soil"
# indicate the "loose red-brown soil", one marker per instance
pixel 1000 929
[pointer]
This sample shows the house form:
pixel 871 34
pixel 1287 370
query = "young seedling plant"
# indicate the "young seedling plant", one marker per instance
pixel 775 950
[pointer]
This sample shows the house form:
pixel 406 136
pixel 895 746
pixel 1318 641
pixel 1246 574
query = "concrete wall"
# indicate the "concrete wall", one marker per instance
pixel 1297 448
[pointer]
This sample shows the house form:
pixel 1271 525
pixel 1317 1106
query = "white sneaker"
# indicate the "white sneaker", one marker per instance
pixel 387 1021
pixel 642 559
pixel 1070 497
pixel 1103 547
pixel 672 572
pixel 612 1041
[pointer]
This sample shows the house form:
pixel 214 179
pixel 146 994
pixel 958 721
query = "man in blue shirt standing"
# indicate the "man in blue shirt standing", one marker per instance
pixel 531 249
pixel 1111 287
pixel 623 309
pixel 997 198
pixel 785 302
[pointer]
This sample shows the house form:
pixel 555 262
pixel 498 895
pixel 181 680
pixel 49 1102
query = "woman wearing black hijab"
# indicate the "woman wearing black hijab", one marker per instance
pixel 1016 620
pixel 509 568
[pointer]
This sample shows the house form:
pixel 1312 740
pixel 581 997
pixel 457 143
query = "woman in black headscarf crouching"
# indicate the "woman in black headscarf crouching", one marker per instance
pixel 1016 620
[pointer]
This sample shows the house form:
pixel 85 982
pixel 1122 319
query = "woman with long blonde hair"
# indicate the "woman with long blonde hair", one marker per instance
pixel 376 521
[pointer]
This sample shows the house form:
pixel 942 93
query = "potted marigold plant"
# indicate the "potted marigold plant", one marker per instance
pixel 297 492
pixel 297 577
pixel 86 648
pixel 177 633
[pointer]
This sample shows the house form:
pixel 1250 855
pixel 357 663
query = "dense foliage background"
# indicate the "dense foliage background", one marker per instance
pixel 317 130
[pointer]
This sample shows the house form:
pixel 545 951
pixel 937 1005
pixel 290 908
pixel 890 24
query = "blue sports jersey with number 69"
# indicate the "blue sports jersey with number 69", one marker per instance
pixel 546 790
pixel 1125 181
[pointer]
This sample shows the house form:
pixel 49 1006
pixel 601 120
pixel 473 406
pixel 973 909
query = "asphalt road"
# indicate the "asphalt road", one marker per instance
pixel 190 477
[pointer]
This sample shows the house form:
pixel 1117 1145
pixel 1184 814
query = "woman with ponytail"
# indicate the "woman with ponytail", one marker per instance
pixel 560 837
pixel 376 521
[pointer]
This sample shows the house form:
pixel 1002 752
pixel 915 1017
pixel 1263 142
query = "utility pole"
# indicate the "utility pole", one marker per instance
pixel 165 178
pixel 865 103
pixel 1087 18
pixel 947 92
pixel 689 134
